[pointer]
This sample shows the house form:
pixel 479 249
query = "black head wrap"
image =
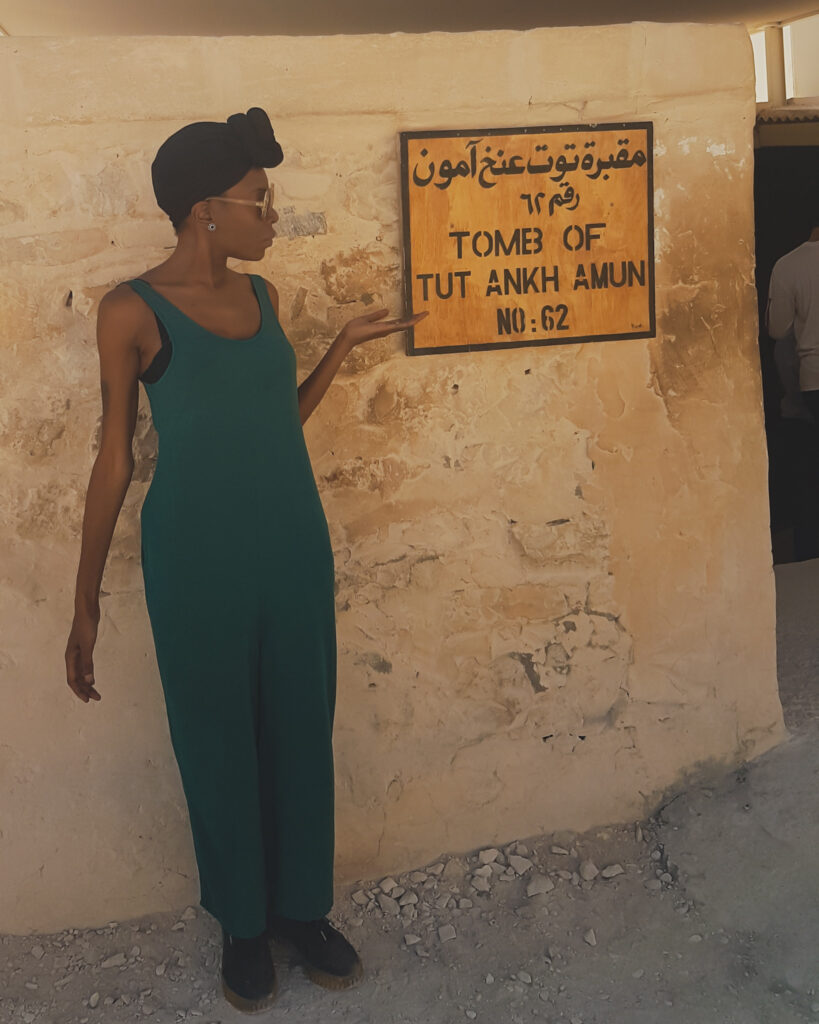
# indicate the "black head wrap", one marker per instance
pixel 208 157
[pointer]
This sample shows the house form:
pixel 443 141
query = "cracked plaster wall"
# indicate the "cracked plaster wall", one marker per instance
pixel 554 585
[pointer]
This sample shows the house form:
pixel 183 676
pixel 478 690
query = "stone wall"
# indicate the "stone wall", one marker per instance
pixel 555 592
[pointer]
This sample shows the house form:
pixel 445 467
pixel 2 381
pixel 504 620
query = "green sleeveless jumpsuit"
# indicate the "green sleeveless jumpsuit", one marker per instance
pixel 239 585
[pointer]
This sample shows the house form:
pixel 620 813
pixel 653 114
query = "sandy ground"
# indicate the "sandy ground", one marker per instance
pixel 713 919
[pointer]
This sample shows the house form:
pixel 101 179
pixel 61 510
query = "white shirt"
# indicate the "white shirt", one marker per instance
pixel 793 303
pixel 792 406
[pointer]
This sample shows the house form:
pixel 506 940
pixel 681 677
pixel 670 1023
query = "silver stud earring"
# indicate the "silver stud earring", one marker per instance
pixel 211 227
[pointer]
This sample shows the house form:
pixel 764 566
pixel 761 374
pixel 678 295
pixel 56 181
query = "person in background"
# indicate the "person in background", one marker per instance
pixel 795 436
pixel 793 321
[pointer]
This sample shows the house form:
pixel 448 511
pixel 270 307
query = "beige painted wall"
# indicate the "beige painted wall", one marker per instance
pixel 638 634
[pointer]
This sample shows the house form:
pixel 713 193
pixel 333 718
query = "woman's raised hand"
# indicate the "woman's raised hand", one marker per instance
pixel 371 326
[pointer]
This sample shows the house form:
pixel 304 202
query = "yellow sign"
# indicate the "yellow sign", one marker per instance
pixel 528 236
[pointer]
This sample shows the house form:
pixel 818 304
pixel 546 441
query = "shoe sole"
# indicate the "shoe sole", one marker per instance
pixel 250 1005
pixel 336 982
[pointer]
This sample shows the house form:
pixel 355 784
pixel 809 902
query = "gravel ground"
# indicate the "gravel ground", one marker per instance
pixel 706 913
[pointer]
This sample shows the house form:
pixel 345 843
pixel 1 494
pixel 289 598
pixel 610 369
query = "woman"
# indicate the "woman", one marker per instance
pixel 236 555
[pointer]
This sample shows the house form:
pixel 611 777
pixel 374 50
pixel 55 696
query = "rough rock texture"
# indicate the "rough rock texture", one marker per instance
pixel 555 594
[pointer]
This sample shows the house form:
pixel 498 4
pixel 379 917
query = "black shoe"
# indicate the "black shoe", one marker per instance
pixel 248 974
pixel 328 958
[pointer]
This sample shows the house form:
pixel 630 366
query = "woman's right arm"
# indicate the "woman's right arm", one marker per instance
pixel 117 326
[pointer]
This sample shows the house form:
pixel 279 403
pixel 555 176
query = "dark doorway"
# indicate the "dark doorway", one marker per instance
pixel 785 179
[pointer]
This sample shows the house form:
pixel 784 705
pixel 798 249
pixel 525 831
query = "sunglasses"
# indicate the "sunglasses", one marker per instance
pixel 266 203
